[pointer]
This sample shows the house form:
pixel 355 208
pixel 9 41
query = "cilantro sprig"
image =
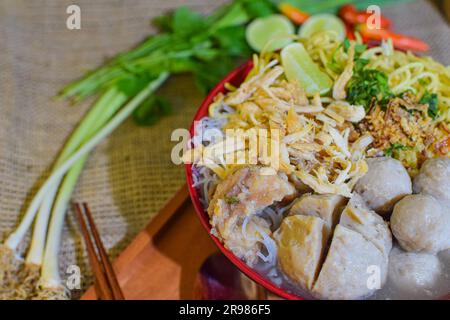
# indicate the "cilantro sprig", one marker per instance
pixel 207 47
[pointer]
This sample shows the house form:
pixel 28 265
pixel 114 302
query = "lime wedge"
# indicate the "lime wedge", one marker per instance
pixel 299 67
pixel 270 33
pixel 321 22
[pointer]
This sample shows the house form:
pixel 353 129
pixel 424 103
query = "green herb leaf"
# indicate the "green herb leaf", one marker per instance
pixel 187 22
pixel 131 85
pixel 232 40
pixel 360 64
pixel 163 22
pixel 334 65
pixel 208 74
pixel 151 110
pixel 235 16
pixel 359 49
pixel 260 8
pixel 231 200
pixel 346 44
pixel 431 99
pixel 395 147
pixel 368 84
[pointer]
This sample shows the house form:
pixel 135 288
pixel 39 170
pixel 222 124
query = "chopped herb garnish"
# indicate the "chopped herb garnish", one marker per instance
pixel 368 84
pixel 431 99
pixel 422 82
pixel 359 49
pixel 395 147
pixel 346 44
pixel 231 200
pixel 334 65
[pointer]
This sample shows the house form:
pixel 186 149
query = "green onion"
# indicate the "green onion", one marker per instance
pixel 95 127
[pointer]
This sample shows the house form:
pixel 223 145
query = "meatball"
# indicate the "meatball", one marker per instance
pixel 445 255
pixel 347 271
pixel 434 179
pixel 301 243
pixel 358 217
pixel 420 223
pixel 411 271
pixel 386 182
pixel 328 207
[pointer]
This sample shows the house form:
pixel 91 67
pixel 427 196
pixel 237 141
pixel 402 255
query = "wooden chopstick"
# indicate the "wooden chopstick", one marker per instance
pixel 110 274
pixel 106 284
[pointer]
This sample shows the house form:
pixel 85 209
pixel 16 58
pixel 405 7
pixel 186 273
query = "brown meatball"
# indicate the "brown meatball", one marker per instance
pixel 386 182
pixel 420 223
pixel 346 271
pixel 301 243
pixel 434 179
pixel 328 207
pixel 412 271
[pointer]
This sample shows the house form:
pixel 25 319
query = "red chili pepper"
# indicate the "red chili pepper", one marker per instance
pixel 294 14
pixel 400 41
pixel 350 31
pixel 349 14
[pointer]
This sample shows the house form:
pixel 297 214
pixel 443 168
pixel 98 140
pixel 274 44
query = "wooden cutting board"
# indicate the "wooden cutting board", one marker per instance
pixel 162 262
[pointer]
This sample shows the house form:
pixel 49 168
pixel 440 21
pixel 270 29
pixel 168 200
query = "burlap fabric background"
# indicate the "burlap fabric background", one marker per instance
pixel 130 175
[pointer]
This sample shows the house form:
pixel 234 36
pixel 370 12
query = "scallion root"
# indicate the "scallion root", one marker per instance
pixel 30 275
pixel 39 278
pixel 54 293
pixel 22 282
pixel 9 267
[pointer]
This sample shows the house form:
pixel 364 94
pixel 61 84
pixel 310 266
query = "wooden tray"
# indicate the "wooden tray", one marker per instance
pixel 162 262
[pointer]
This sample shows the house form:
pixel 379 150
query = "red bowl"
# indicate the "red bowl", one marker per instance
pixel 236 77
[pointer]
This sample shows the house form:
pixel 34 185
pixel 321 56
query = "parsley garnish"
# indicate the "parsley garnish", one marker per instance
pixel 431 99
pixel 231 200
pixel 368 84
pixel 395 147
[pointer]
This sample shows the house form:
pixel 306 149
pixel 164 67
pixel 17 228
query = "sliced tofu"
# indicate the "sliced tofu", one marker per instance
pixel 357 216
pixel 301 242
pixel 325 206
pixel 348 266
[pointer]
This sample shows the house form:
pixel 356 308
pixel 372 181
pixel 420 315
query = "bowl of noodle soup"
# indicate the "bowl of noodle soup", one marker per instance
pixel 411 81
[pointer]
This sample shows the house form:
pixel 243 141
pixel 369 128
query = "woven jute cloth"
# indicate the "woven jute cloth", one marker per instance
pixel 130 175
